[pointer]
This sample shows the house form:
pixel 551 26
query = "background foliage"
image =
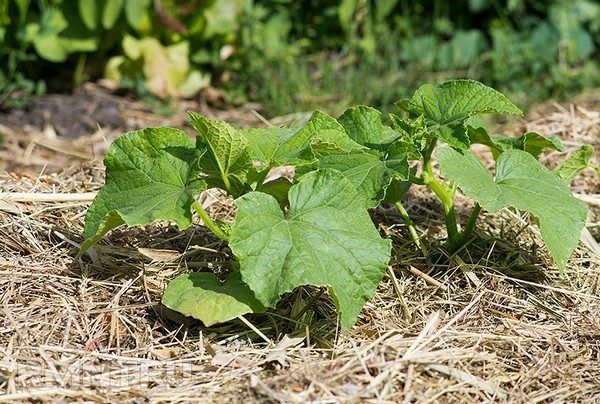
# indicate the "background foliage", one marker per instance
pixel 299 55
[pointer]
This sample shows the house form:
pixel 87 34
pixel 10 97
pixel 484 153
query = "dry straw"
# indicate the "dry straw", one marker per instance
pixel 493 324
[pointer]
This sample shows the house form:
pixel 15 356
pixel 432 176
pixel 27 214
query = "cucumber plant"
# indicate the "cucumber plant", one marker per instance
pixel 316 230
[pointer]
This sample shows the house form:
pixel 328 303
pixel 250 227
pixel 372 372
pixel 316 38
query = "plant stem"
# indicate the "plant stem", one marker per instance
pixel 447 201
pixel 227 183
pixel 79 70
pixel 467 231
pixel 446 196
pixel 411 228
pixel 208 222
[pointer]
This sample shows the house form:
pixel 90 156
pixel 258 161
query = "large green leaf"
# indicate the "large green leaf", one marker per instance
pixel 202 296
pixel 136 12
pixel 530 142
pixel 325 239
pixel 448 105
pixel 279 147
pixel 363 125
pixel 89 13
pixel 522 182
pixel 577 162
pixel 371 170
pixel 111 13
pixel 151 174
pixel 227 159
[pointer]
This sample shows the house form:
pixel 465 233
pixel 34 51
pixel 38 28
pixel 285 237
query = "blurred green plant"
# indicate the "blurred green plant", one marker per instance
pixel 166 70
pixel 282 52
pixel 87 35
pixel 532 50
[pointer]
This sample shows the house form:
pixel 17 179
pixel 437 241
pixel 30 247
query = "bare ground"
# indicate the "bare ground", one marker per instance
pixel 496 322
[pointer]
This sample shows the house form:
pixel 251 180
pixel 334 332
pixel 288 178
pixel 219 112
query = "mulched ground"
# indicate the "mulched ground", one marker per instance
pixel 496 322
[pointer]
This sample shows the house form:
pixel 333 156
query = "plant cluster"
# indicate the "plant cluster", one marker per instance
pixel 316 229
pixel 113 38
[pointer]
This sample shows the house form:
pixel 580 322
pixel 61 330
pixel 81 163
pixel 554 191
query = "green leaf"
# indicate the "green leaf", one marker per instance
pixel 530 142
pixel 202 296
pixel 296 146
pixel 136 12
pixel 151 174
pixel 111 13
pixel 413 135
pixel 363 125
pixel 325 239
pixel 227 160
pixel 275 146
pixel 50 48
pixel 447 106
pixel 577 162
pixel 369 173
pixel 89 13
pixel 398 189
pixel 278 189
pixel 372 170
pixel 522 182
pixel 221 17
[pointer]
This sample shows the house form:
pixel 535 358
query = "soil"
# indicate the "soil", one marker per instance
pixel 57 130
pixel 71 116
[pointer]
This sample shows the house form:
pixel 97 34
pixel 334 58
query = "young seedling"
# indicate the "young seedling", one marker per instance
pixel 284 235
pixel 316 230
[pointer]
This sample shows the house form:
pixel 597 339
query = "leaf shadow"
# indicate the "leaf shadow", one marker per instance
pixel 496 245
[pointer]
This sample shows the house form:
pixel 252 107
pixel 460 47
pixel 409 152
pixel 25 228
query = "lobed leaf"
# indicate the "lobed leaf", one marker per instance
pixel 227 159
pixel 370 170
pixel 522 182
pixel 577 162
pixel 363 125
pixel 111 13
pixel 530 142
pixel 202 296
pixel 151 174
pixel 296 146
pixel 325 239
pixel 447 106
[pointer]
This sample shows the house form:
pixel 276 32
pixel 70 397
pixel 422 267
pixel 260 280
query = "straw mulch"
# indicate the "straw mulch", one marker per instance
pixel 494 323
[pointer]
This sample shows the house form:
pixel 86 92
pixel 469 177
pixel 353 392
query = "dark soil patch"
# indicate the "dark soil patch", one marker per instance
pixel 71 115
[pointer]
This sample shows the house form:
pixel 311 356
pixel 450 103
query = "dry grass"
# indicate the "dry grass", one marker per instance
pixel 502 326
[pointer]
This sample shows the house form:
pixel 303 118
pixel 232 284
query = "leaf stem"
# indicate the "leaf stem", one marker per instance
pixel 227 183
pixel 208 222
pixel 411 228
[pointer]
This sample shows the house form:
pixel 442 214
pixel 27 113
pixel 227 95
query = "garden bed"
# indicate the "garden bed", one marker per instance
pixel 495 323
